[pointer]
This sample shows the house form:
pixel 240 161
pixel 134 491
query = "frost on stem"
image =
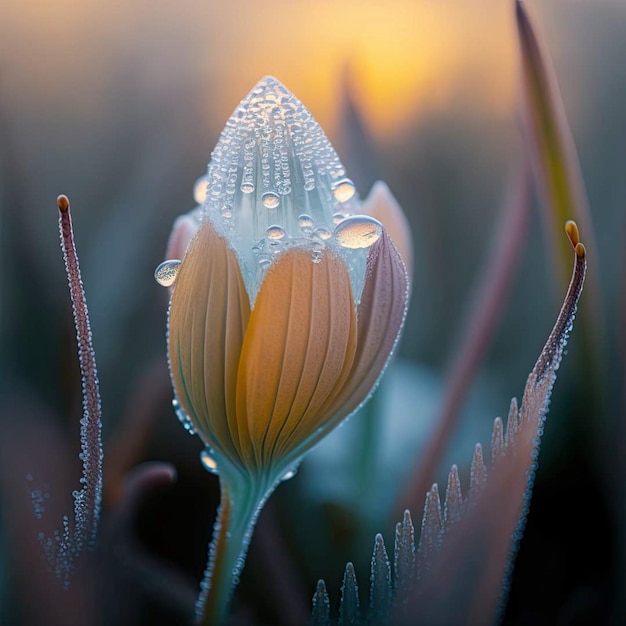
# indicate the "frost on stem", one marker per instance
pixel 65 547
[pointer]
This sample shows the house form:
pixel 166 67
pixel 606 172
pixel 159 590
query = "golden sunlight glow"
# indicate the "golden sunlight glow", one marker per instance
pixel 405 59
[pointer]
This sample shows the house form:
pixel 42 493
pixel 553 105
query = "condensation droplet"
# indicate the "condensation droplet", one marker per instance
pixel 270 200
pixel 338 217
pixel 208 461
pixel 290 473
pixel 264 259
pixel 323 233
pixel 166 272
pixel 183 418
pixel 358 231
pixel 275 232
pixel 343 190
pixel 317 252
pixel 247 187
pixel 305 222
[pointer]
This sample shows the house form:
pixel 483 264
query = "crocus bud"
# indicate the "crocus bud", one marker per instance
pixel 289 301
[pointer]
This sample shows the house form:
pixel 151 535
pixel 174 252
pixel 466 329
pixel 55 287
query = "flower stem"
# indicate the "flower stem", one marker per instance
pixel 241 501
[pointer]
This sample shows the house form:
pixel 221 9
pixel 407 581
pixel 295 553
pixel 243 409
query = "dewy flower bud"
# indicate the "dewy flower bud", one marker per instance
pixel 288 302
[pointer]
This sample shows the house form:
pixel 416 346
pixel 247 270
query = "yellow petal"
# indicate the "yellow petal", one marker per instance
pixel 297 352
pixel 208 316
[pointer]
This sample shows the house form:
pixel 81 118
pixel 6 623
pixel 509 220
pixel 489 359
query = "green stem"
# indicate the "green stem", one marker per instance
pixel 241 500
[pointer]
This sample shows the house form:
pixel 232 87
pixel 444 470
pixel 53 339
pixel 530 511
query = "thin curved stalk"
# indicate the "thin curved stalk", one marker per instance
pixel 242 498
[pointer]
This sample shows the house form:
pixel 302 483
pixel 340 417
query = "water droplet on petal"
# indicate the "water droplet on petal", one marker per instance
pixel 305 222
pixel 343 190
pixel 270 200
pixel 323 233
pixel 166 272
pixel 183 418
pixel 247 187
pixel 358 231
pixel 338 217
pixel 264 260
pixel 287 475
pixel 275 232
pixel 208 461
pixel 290 473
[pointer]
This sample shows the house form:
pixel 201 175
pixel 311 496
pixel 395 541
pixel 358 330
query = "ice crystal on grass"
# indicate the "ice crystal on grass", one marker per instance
pixel 321 606
pixel 478 474
pixel 349 606
pixel 432 532
pixel 380 580
pixel 453 509
pixel 404 554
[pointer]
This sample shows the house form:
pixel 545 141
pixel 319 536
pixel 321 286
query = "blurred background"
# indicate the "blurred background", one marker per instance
pixel 118 105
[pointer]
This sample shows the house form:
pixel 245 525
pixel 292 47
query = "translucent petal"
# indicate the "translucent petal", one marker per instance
pixel 272 164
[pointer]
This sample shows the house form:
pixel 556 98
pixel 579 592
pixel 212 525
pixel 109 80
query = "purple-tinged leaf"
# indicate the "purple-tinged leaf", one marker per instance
pixel 467 579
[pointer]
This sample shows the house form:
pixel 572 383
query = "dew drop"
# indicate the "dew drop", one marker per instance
pixel 264 260
pixel 275 232
pixel 247 187
pixel 358 231
pixel 317 252
pixel 343 190
pixel 166 272
pixel 183 418
pixel 338 217
pixel 290 473
pixel 270 200
pixel 309 185
pixel 305 222
pixel 208 461
pixel 323 233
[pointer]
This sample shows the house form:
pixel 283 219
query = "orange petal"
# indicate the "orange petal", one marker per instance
pixel 208 316
pixel 297 352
